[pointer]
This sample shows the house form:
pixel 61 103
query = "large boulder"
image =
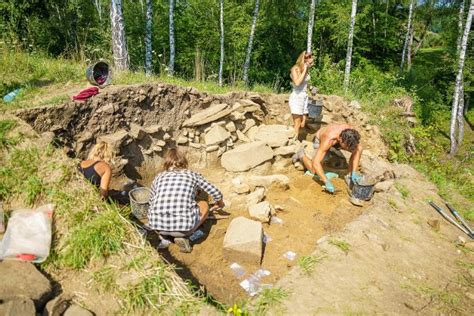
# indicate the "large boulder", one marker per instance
pixel 246 156
pixel 274 135
pixel 216 135
pixel 21 306
pixel 114 140
pixel 376 167
pixel 211 114
pixel 243 241
pixel 23 279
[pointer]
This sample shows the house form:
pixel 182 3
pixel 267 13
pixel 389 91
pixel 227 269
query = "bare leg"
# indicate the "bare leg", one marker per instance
pixel 308 163
pixel 203 211
pixel 297 122
pixel 303 123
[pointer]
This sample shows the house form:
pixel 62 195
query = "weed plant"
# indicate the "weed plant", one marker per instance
pixel 341 244
pixel 269 298
pixel 308 263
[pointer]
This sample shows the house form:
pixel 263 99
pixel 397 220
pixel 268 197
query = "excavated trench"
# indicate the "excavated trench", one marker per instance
pixel 141 122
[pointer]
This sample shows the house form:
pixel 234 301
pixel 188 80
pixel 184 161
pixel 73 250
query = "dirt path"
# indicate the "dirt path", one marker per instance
pixel 396 263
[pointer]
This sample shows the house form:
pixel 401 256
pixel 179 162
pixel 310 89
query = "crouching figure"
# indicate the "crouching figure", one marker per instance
pixel 174 207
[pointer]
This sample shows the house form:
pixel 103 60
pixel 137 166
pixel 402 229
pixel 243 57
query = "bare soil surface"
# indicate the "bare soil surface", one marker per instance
pixel 307 213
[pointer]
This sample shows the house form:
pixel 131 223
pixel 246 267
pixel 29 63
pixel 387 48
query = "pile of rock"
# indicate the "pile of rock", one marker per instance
pixel 25 291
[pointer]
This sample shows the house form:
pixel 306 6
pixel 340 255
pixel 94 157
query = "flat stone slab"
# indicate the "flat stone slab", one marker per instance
pixel 274 135
pixel 211 114
pixel 278 180
pixel 18 306
pixel 216 135
pixel 246 156
pixel 23 279
pixel 243 241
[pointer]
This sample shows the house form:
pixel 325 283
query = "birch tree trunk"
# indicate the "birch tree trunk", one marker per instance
pixel 410 45
pixel 172 48
pixel 148 30
pixel 407 37
pixel 311 25
pixel 249 48
pixel 347 71
pixel 119 45
pixel 99 8
pixel 460 110
pixel 221 62
pixel 459 77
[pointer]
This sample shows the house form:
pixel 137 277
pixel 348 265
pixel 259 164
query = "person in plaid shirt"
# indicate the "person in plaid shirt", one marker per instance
pixel 174 209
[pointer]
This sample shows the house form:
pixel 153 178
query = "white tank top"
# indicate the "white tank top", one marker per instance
pixel 302 87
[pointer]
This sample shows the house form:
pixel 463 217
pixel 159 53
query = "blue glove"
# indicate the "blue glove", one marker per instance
pixel 328 186
pixel 355 177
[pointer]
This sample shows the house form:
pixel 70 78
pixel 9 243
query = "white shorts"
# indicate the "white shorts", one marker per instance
pixel 298 103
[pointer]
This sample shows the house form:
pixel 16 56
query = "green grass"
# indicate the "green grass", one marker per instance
pixel 5 127
pixel 308 263
pixel 341 244
pixel 403 190
pixel 447 301
pixel 269 298
pixel 105 277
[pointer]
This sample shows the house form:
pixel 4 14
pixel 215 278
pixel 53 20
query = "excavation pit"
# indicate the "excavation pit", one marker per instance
pixel 142 122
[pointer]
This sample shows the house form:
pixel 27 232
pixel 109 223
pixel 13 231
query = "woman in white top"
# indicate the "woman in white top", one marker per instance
pixel 299 98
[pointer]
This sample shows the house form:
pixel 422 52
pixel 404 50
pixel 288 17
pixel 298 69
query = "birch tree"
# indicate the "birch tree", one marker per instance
pixel 148 48
pixel 119 45
pixel 98 7
pixel 350 40
pixel 459 80
pixel 249 47
pixel 221 62
pixel 311 25
pixel 407 36
pixel 172 47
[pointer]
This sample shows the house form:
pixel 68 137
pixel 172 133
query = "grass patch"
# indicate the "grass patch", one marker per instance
pixel 269 298
pixel 5 127
pixel 308 263
pixel 403 190
pixel 341 244
pixel 466 265
pixel 446 300
pixel 105 278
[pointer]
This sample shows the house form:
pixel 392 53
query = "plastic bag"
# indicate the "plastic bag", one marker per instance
pixel 28 235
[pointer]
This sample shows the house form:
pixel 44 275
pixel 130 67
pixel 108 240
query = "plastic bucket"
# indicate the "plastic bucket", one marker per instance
pixel 99 74
pixel 140 202
pixel 363 190
pixel 315 108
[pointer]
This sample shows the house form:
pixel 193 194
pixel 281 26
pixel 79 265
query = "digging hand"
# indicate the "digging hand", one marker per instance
pixel 328 186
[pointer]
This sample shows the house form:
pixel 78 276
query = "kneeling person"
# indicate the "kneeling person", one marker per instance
pixel 174 209
pixel 339 136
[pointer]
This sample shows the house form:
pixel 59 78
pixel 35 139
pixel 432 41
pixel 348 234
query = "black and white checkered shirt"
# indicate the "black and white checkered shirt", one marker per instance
pixel 173 205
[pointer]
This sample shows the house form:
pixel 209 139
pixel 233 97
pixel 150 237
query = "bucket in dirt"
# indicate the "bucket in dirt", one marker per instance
pixel 315 108
pixel 364 189
pixel 99 74
pixel 140 202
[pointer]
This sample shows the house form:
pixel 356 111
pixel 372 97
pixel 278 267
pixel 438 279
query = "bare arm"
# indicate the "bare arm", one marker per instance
pixel 297 76
pixel 105 180
pixel 355 159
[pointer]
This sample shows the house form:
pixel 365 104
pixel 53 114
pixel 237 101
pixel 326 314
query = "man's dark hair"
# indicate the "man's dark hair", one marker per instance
pixel 350 137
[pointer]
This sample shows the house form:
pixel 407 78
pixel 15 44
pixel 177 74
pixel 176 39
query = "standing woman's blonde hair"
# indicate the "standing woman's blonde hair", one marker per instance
pixel 300 61
pixel 101 151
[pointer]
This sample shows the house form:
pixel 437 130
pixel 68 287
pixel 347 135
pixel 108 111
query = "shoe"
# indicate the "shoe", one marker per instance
pixel 183 244
pixel 298 155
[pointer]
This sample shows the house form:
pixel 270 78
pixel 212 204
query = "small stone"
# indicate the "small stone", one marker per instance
pixel 152 129
pixel 230 127
pixel 156 148
pixel 216 135
pixel 182 140
pixel 354 104
pixel 160 143
pixel 256 196
pixel 195 145
pixel 260 211
pixel 356 201
pixel 241 188
pixel 166 137
pixel 241 136
pixel 252 132
pixel 383 186
pixel 434 223
pixel 212 148
pixel 248 124
pixel 461 241
pixel 191 134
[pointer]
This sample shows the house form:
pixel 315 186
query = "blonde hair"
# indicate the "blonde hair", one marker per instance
pixel 175 159
pixel 101 151
pixel 300 60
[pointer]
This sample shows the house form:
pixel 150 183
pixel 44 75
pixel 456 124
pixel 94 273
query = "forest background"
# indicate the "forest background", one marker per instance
pixel 53 40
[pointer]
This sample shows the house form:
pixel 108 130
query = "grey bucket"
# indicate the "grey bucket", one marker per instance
pixel 99 74
pixel 315 108
pixel 140 202
pixel 362 191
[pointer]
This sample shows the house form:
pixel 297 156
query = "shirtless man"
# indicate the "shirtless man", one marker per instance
pixel 340 136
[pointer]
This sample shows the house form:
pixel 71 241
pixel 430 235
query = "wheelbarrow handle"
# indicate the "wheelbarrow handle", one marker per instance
pixel 459 218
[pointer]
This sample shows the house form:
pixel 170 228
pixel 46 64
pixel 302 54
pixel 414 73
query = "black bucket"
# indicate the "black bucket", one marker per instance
pixel 99 74
pixel 315 108
pixel 364 190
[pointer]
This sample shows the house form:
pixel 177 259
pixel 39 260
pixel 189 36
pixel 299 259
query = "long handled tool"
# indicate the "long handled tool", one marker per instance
pixel 449 219
pixel 459 218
